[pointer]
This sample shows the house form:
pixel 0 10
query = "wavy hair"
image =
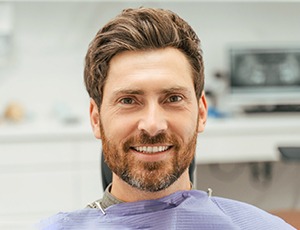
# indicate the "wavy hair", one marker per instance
pixel 141 29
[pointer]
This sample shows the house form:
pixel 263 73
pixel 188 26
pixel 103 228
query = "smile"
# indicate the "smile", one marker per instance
pixel 151 149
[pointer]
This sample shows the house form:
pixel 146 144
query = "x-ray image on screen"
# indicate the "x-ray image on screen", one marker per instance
pixel 265 69
pixel 264 76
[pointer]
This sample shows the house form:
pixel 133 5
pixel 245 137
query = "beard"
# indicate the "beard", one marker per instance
pixel 148 176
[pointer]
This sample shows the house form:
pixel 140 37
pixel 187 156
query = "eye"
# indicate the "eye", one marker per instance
pixel 174 98
pixel 127 101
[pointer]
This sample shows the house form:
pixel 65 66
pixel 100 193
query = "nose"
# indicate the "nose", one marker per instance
pixel 153 120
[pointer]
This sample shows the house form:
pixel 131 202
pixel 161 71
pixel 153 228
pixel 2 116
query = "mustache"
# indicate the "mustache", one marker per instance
pixel 146 139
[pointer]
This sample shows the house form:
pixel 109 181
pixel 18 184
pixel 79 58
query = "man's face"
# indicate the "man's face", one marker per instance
pixel 149 117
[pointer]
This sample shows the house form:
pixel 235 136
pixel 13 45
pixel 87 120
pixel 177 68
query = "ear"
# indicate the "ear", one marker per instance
pixel 202 112
pixel 95 118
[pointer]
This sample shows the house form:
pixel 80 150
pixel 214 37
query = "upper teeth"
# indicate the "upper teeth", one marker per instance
pixel 148 149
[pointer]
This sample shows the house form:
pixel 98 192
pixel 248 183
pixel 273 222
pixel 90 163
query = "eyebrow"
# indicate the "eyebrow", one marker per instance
pixel 175 90
pixel 165 91
pixel 128 92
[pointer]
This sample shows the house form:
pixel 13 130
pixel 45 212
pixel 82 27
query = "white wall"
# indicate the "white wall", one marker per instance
pixel 45 66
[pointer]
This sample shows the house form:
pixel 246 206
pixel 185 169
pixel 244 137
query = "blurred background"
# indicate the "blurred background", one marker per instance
pixel 49 159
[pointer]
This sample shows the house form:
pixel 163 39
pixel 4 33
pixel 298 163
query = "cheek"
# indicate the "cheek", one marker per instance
pixel 185 126
pixel 117 128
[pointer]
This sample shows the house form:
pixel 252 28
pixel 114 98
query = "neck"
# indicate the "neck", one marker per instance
pixel 127 193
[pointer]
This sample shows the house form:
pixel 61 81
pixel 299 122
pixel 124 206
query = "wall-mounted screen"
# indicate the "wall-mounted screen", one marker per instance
pixel 265 76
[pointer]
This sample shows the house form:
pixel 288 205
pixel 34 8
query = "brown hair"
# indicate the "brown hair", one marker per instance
pixel 140 29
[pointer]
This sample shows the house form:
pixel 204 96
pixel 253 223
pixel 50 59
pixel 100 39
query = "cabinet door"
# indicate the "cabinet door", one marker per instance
pixel 88 171
pixel 36 179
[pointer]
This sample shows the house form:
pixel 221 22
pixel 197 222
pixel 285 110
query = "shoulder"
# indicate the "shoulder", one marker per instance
pixel 78 219
pixel 248 215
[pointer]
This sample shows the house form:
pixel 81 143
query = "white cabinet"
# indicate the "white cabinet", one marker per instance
pixel 41 178
pixel 247 139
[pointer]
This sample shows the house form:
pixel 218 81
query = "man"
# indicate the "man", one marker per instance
pixel 144 74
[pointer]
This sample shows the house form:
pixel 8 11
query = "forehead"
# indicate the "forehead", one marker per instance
pixel 149 69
